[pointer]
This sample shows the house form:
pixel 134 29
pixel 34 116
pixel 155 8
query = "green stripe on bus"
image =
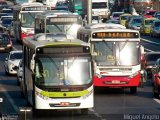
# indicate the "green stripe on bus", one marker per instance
pixel 62 43
pixel 64 94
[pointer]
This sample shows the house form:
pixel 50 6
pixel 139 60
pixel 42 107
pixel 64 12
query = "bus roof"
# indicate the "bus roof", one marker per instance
pixel 31 4
pixel 47 39
pixel 54 13
pixel 105 25
pixel 28 4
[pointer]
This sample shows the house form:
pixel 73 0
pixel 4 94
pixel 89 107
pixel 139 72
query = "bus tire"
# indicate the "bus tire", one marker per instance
pixel 156 95
pixel 133 90
pixel 84 111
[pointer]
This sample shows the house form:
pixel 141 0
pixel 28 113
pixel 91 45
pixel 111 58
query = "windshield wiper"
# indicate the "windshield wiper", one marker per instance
pixel 120 49
pixel 58 27
pixel 31 15
pixel 106 44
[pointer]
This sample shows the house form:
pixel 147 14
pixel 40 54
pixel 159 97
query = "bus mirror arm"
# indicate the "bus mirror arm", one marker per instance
pixel 32 65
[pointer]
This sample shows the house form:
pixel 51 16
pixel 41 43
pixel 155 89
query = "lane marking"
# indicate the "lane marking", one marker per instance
pixel 149 41
pixel 14 48
pixel 9 99
pixel 96 114
pixel 148 50
pixel 157 100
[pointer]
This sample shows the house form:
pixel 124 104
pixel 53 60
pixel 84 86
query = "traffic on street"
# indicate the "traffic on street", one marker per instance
pixel 59 62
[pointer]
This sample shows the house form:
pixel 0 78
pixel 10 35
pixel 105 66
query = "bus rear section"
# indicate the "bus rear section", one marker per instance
pixel 62 74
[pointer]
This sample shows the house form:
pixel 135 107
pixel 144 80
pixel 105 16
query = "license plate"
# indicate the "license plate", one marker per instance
pixel 64 103
pixel 115 81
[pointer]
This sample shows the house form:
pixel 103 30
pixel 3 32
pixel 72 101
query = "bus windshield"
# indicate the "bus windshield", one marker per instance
pixel 115 53
pixel 99 5
pixel 27 19
pixel 78 2
pixel 70 29
pixel 53 71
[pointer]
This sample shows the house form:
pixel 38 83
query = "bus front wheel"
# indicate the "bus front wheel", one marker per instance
pixel 133 90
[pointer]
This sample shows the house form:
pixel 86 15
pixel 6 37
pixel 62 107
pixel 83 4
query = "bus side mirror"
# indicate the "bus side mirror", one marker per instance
pixel 158 74
pixel 94 54
pixel 32 65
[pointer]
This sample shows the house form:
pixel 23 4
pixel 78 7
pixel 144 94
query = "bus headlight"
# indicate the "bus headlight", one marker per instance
pixel 88 94
pixel 142 71
pixel 133 75
pixel 98 75
pixel 42 96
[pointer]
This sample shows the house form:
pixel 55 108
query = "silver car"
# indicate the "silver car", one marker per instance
pixel 12 61
pixel 20 72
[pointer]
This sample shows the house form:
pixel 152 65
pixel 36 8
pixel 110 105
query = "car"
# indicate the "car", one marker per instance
pixel 20 72
pixel 10 30
pixel 127 23
pixel 155 29
pixel 145 28
pixel 135 23
pixel 62 8
pixel 3 4
pixel 6 22
pixel 149 13
pixel 3 17
pixel 149 61
pixel 116 15
pixel 113 21
pixel 123 18
pixel 3 14
pixel 156 14
pixel 5 42
pixel 95 19
pixel 8 11
pixel 12 61
pixel 156 76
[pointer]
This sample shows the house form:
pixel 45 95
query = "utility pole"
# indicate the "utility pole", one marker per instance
pixel 89 11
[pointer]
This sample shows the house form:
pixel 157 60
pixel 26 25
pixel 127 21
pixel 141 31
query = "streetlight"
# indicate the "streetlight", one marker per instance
pixel 25 113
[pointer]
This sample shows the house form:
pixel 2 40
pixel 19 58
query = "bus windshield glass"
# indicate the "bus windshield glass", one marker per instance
pixel 27 19
pixel 99 5
pixel 78 2
pixel 70 28
pixel 55 71
pixel 115 53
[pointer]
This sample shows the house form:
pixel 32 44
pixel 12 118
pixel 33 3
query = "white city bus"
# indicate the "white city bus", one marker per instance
pixel 24 16
pixel 57 72
pixel 116 52
pixel 58 21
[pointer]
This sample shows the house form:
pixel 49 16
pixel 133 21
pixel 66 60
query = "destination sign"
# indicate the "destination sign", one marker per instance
pixel 115 35
pixel 35 8
pixel 64 50
pixel 62 19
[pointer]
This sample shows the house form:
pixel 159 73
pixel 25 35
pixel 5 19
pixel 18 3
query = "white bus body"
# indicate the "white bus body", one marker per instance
pixel 100 8
pixel 51 3
pixel 58 21
pixel 57 72
pixel 24 19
